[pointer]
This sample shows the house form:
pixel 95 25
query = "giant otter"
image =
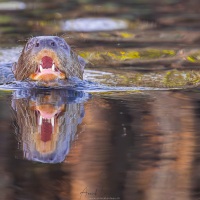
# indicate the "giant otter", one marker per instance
pixel 47 59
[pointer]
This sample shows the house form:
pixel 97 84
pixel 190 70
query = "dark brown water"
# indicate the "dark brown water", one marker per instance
pixel 139 144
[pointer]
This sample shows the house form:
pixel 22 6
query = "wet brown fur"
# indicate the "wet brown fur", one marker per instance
pixel 28 63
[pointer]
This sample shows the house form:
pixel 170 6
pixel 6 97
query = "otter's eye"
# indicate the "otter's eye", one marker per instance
pixel 37 44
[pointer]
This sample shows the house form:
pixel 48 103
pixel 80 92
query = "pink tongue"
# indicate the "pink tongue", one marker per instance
pixel 47 62
pixel 46 131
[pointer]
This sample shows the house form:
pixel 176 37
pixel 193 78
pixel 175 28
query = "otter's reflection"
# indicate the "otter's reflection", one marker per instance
pixel 47 122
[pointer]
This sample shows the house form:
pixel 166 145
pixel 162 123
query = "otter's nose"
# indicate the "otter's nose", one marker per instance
pixel 48 43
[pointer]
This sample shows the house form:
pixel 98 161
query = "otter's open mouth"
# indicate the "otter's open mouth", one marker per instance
pixel 47 71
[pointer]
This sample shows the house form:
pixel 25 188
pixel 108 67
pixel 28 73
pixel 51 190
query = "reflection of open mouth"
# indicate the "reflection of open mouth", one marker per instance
pixel 46 126
pixel 47 70
pixel 47 116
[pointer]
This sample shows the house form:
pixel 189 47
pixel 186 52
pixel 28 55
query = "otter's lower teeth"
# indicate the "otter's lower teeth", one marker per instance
pixel 41 69
pixel 40 120
pixel 53 67
pixel 52 121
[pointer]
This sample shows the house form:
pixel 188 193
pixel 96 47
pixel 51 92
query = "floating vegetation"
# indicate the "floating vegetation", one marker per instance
pixel 162 79
pixel 194 58
pixel 125 55
pixel 175 78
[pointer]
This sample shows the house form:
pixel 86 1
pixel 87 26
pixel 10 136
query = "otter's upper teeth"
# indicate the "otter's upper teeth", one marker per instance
pixel 53 67
pixel 41 69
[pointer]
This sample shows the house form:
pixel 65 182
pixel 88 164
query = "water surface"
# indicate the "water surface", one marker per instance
pixel 131 129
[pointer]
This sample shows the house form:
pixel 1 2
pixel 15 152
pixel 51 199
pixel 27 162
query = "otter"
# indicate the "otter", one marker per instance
pixel 47 59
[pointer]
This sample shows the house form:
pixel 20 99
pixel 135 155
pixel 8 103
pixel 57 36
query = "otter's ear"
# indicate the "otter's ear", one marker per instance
pixel 82 62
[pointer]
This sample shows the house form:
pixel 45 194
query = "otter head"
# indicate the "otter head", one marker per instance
pixel 46 59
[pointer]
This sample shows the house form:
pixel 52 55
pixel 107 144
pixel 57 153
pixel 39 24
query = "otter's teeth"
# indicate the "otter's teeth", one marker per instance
pixel 40 120
pixel 41 69
pixel 53 68
pixel 52 121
